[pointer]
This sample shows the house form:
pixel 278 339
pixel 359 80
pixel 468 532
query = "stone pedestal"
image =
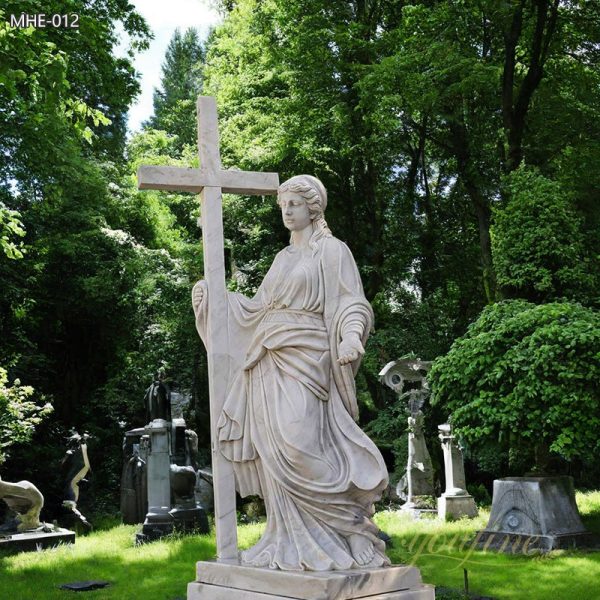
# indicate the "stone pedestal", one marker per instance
pixel 158 521
pixel 230 581
pixel 455 502
pixel 36 540
pixel 451 508
pixel 538 513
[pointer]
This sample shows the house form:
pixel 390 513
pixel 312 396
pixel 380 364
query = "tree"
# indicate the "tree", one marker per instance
pixel 18 413
pixel 538 242
pixel 524 378
pixel 181 82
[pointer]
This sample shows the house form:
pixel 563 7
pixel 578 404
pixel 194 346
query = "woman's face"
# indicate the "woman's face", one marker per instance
pixel 294 211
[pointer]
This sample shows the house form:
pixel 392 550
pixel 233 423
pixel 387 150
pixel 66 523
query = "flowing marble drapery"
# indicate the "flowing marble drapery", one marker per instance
pixel 288 420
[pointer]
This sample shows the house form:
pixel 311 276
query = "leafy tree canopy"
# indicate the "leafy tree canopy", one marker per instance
pixel 19 414
pixel 526 376
pixel 181 82
pixel 538 243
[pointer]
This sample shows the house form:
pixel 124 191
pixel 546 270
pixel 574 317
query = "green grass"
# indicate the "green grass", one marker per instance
pixel 161 570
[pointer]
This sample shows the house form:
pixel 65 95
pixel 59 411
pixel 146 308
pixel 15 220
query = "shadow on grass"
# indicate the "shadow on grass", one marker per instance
pixel 158 571
pixel 162 570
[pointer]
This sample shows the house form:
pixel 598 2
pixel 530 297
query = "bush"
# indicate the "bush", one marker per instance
pixel 18 414
pixel 537 242
pixel 527 377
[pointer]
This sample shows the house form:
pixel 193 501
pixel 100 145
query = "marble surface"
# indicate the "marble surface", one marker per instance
pixel 26 500
pixel 288 422
pixel 202 591
pixel 451 508
pixel 216 580
pixel 454 467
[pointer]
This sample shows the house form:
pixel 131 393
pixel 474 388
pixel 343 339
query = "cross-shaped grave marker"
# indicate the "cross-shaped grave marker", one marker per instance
pixel 210 180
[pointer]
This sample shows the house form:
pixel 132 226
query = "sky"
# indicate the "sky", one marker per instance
pixel 163 17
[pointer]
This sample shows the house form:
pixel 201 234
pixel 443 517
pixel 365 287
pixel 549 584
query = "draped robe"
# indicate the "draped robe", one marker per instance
pixel 288 422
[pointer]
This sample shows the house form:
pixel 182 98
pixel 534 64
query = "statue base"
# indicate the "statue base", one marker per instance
pixel 451 508
pixel 534 513
pixel 228 580
pixel 419 506
pixel 31 541
pixel 156 526
pixel 190 520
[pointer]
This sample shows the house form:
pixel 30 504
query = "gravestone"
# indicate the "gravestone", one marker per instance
pixel 134 485
pixel 161 461
pixel 455 502
pixel 158 521
pixel 534 513
pixel 236 460
pixel 407 377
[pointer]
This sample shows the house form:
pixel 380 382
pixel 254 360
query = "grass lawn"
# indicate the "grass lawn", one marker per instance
pixel 161 571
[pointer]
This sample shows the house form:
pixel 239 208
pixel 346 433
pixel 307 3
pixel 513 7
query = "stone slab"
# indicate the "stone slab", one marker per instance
pixel 27 542
pixel 202 591
pixel 535 506
pixel 512 543
pixel 456 507
pixel 309 585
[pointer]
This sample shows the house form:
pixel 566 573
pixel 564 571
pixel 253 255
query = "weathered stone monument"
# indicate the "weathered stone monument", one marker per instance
pixel 407 377
pixel 134 484
pixel 25 531
pixel 159 472
pixel 76 465
pixel 455 502
pixel 158 521
pixel 533 513
pixel 283 402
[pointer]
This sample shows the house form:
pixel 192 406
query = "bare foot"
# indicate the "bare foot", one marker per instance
pixel 361 548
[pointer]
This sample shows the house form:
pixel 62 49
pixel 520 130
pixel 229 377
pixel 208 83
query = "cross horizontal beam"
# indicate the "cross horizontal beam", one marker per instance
pixel 194 180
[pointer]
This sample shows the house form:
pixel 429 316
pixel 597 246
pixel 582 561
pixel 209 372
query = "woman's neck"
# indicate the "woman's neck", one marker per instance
pixel 301 238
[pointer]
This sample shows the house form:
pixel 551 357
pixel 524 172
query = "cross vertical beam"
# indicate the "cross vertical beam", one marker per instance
pixel 217 326
pixel 210 180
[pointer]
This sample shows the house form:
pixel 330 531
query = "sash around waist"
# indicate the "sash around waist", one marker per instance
pixel 290 315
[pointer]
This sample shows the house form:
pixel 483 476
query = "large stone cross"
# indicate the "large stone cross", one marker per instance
pixel 210 180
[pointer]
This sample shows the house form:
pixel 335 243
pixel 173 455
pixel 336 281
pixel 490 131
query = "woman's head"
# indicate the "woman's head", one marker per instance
pixel 311 189
pixel 314 194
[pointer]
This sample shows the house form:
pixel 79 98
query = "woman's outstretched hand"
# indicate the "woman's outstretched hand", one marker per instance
pixel 350 349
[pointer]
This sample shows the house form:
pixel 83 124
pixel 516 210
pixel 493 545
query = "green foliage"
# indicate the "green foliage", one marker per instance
pixel 527 377
pixel 181 82
pixel 538 243
pixel 19 414
pixel 10 228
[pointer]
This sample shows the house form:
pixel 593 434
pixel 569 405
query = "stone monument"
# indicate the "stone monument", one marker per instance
pixel 25 531
pixel 134 484
pixel 283 402
pixel 407 377
pixel 534 513
pixel 76 465
pixel 455 502
pixel 161 462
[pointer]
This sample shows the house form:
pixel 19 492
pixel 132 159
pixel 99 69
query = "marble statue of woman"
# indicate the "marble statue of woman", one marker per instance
pixel 288 423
